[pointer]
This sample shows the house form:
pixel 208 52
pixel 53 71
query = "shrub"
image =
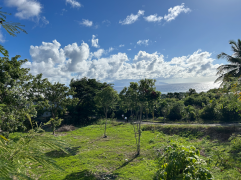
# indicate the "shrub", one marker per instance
pixel 235 143
pixel 229 107
pixel 176 111
pixel 191 113
pixel 179 162
pixel 54 123
pixel 196 100
pixel 66 128
pixel 209 112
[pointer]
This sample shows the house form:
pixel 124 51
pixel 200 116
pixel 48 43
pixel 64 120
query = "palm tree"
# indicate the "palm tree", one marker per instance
pixel 228 71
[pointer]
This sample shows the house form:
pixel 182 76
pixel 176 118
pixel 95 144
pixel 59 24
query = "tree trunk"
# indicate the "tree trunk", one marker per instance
pixel 53 130
pixel 105 123
pixel 139 132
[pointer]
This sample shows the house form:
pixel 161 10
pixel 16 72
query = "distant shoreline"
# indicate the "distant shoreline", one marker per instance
pixel 180 87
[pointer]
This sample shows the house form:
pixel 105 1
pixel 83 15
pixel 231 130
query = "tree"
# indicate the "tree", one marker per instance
pixel 86 90
pixel 227 71
pixel 56 97
pixel 107 99
pixel 191 91
pixel 54 123
pixel 137 96
pixel 15 89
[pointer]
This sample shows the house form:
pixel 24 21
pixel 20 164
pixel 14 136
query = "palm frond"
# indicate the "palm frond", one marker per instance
pixel 13 28
pixel 233 43
pixel 222 55
pixel 239 44
pixel 19 153
pixel 2 14
pixel 225 68
pixel 3 51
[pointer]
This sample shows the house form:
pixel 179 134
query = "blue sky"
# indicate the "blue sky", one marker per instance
pixel 121 41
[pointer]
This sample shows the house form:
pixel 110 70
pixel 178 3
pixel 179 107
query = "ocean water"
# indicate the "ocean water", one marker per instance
pixel 181 87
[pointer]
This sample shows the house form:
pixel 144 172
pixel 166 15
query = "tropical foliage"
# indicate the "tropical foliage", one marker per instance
pixel 180 162
pixel 233 69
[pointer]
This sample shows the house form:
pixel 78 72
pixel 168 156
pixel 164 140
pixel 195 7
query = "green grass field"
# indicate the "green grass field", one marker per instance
pixel 94 157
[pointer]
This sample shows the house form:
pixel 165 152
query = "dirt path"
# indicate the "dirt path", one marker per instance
pixel 176 124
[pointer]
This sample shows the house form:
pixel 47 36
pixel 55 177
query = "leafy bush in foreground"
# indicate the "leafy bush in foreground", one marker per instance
pixel 235 143
pixel 179 162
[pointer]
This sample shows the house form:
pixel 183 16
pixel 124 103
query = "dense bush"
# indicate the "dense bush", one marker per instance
pixel 196 100
pixel 209 112
pixel 179 162
pixel 235 142
pixel 176 111
pixel 229 108
pixel 191 113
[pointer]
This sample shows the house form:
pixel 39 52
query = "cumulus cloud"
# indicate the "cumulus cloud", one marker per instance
pixel 47 51
pixel 86 22
pixel 143 42
pixel 73 3
pixel 175 11
pixel 95 42
pixel 76 61
pixel 153 18
pixel 132 18
pixel 121 45
pixel 98 53
pixel 26 8
pixel 77 56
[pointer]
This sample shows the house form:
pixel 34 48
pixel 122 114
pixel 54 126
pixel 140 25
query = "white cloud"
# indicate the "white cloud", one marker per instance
pixel 44 20
pixel 144 42
pixel 111 49
pixel 77 56
pixel 76 61
pixel 121 45
pixel 26 8
pixel 175 11
pixel 74 3
pixel 2 40
pixel 128 49
pixel 98 53
pixel 132 18
pixel 95 42
pixel 47 51
pixel 86 22
pixel 153 18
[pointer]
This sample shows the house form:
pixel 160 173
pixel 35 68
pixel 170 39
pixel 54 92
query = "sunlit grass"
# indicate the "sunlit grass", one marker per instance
pixel 95 157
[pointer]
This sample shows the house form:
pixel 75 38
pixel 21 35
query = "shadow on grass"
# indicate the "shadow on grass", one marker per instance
pixel 127 162
pixel 59 153
pixel 83 175
pixel 87 175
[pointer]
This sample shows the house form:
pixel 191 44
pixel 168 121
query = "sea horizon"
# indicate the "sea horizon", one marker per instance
pixel 180 87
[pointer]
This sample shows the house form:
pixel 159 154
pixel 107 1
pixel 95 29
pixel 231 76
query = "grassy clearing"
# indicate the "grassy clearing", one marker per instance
pixel 94 157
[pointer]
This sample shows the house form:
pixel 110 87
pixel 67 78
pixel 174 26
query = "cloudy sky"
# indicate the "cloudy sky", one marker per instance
pixel 117 41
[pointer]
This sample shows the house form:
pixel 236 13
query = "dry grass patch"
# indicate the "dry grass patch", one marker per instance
pixel 66 128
